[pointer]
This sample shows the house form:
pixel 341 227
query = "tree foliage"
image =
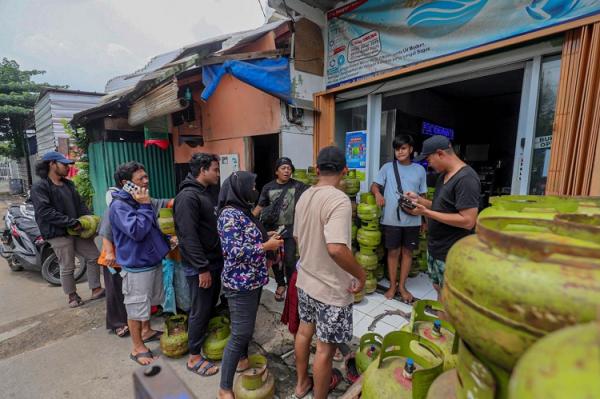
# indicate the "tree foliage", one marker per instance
pixel 82 180
pixel 18 94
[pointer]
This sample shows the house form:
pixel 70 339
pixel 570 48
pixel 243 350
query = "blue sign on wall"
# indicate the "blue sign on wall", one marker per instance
pixel 378 35
pixel 356 149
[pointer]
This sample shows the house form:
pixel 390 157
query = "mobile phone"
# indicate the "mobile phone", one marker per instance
pixel 280 230
pixel 406 202
pixel 130 187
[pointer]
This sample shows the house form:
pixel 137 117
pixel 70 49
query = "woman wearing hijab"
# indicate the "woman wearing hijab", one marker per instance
pixel 245 244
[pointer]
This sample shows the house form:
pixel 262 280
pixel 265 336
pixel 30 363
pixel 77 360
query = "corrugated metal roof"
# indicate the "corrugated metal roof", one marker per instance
pixel 52 108
pixel 215 45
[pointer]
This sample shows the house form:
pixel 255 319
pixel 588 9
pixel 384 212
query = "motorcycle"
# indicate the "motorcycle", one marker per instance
pixel 22 245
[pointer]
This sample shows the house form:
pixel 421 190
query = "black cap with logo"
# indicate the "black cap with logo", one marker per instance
pixel 431 145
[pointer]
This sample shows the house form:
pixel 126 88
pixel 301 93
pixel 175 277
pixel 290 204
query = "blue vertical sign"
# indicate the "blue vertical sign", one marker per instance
pixel 356 149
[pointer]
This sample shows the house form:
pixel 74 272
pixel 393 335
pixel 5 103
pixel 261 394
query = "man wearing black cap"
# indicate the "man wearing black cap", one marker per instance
pixel 279 198
pixel 57 206
pixel 328 275
pixel 453 212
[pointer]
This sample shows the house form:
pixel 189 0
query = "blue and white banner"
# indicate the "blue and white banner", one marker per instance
pixel 371 36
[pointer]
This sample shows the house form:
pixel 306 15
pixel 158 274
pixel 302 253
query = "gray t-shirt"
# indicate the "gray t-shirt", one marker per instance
pixel 105 229
pixel 413 178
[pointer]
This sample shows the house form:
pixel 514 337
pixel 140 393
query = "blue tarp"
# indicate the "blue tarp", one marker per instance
pixel 269 75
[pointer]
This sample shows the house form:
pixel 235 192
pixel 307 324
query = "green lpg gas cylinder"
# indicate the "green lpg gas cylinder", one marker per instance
pixel 399 372
pixel 564 364
pixel 437 331
pixel 367 198
pixel 368 238
pixel 367 212
pixel 370 225
pixel 351 184
pixel 471 379
pixel 529 206
pixel 359 296
pixel 380 271
pixel 256 382
pixel 89 226
pixel 354 231
pixel 174 341
pixel 369 348
pixel 518 280
pixel 165 221
pixel 219 332
pixel 367 258
pixel 301 175
pixel 370 283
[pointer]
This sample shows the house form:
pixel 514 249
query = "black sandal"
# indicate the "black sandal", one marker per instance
pixel 202 367
pixel 280 296
pixel 121 332
pixel 142 355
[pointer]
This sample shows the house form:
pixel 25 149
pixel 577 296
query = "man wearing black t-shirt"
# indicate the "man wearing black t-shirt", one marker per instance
pixel 285 185
pixel 453 212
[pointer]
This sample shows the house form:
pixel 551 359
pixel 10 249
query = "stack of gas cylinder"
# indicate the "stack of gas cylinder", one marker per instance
pixel 524 296
pixel 368 237
pixel 520 315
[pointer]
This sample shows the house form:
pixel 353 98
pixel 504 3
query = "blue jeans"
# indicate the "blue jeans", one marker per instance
pixel 243 307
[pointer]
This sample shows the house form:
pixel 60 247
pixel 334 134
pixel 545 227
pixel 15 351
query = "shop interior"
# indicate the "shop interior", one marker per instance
pixel 479 115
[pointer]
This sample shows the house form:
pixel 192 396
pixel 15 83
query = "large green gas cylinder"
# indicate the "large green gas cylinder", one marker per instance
pixel 219 332
pixel 368 350
pixel 518 280
pixel 256 382
pixel 564 364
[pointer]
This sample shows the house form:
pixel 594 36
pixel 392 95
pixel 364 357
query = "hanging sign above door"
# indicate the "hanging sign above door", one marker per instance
pixel 367 37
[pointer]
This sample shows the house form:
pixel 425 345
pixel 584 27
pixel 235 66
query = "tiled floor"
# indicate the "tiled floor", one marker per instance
pixel 374 310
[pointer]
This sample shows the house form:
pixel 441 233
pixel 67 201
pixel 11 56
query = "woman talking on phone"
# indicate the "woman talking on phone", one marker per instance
pixel 245 244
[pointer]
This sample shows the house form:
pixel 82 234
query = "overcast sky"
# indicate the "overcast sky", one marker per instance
pixel 83 43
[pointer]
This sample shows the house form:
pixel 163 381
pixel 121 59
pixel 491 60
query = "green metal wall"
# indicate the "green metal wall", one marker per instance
pixel 106 156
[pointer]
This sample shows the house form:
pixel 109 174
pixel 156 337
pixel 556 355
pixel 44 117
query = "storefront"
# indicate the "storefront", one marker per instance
pixel 520 100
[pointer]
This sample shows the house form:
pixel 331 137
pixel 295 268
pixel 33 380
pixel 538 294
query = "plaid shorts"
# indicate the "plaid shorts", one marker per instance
pixel 436 269
pixel 333 323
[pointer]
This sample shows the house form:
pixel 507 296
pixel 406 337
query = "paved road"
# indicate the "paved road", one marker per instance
pixel 50 351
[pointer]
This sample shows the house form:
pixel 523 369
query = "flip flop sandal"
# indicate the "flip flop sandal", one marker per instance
pixel 99 295
pixel 240 370
pixel 338 357
pixel 75 301
pixel 351 371
pixel 306 395
pixel 280 297
pixel 154 337
pixel 142 355
pixel 202 367
pixel 121 332
pixel 336 378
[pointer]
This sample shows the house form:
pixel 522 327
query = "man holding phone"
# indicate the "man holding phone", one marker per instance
pixel 453 212
pixel 140 247
pixel 400 229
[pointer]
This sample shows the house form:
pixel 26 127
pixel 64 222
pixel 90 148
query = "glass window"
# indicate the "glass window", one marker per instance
pixel 542 141
pixel 349 117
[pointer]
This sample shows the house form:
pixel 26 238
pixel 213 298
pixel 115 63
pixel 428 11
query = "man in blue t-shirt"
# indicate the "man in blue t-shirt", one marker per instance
pixel 401 230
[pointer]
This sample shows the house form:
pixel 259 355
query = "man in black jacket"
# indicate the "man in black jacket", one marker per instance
pixel 200 248
pixel 57 206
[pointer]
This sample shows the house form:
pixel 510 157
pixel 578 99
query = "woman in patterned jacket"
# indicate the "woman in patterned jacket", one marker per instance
pixel 245 244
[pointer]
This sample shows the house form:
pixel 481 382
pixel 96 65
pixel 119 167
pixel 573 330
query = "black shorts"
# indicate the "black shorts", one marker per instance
pixel 405 237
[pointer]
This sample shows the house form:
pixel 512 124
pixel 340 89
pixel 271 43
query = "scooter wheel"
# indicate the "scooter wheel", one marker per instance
pixel 51 269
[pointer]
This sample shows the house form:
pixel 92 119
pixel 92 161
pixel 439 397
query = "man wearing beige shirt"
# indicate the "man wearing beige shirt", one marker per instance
pixel 329 275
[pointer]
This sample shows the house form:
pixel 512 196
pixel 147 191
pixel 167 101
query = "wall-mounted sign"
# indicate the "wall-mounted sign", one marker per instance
pixel 431 129
pixel 356 149
pixel 367 37
pixel 542 142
